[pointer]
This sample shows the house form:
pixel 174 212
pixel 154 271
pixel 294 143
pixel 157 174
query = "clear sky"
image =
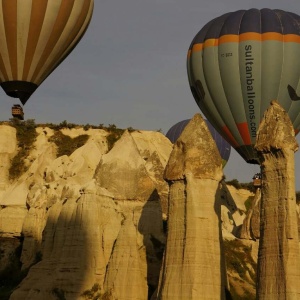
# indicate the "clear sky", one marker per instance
pixel 130 69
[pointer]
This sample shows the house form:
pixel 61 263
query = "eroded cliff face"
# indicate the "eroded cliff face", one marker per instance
pixel 95 222
pixel 278 256
pixel 194 266
pixel 8 148
pixel 86 224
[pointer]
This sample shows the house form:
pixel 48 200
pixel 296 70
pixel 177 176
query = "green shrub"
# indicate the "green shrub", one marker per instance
pixel 248 186
pixel 67 145
pixel 235 183
pixel 86 127
pixel 114 135
pixel 130 129
pixel 26 136
pixel 238 185
pixel 65 124
pixel 248 202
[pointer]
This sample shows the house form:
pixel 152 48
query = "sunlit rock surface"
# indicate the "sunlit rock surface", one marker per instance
pixel 8 148
pixel 251 224
pixel 79 225
pixel 193 266
pixel 278 274
pixel 84 228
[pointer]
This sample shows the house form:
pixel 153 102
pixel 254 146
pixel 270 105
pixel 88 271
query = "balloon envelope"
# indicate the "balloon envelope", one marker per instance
pixel 223 146
pixel 237 64
pixel 35 37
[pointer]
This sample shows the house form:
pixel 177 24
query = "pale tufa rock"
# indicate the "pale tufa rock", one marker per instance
pixel 125 171
pixel 66 209
pixel 8 148
pixel 193 266
pixel 278 257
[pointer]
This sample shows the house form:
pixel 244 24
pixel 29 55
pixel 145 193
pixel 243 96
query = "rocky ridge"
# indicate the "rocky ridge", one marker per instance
pixel 94 223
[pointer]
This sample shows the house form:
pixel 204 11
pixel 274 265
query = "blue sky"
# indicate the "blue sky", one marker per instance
pixel 130 69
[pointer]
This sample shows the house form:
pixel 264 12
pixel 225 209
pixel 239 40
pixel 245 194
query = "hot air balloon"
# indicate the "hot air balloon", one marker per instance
pixel 35 37
pixel 237 64
pixel 223 146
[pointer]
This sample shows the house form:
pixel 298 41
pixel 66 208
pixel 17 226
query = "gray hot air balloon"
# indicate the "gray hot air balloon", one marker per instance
pixel 237 64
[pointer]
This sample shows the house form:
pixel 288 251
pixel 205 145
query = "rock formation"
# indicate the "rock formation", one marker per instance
pixel 278 273
pixel 91 222
pixel 8 148
pixel 193 262
pixel 233 210
pixel 129 172
pixel 83 226
pixel 251 224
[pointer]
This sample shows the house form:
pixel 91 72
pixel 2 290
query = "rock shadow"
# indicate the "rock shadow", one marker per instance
pixel 10 265
pixel 64 269
pixel 217 207
pixel 151 226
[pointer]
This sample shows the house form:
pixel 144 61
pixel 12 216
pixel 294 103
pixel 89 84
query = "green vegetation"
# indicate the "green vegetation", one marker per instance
pixel 61 125
pixel 65 144
pixel 95 293
pixel 248 202
pixel 239 260
pixel 114 135
pixel 26 136
pixel 239 185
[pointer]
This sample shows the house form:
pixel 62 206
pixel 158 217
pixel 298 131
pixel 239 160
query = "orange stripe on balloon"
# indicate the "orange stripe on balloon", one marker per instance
pixel 197 47
pixel 230 136
pixel 254 36
pixel 291 38
pixel 272 36
pixel 229 38
pixel 244 131
pixel 249 36
pixel 211 43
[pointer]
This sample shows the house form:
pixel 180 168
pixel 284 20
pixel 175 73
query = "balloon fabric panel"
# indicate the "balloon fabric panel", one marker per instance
pixel 243 60
pixel 36 36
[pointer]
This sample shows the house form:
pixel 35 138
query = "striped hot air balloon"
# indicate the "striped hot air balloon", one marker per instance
pixel 223 146
pixel 238 63
pixel 35 37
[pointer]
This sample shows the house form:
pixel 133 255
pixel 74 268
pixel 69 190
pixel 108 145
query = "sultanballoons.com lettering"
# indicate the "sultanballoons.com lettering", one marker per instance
pixel 250 89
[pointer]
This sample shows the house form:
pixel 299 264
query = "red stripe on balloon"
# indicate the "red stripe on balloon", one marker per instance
pixel 244 131
pixel 230 137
